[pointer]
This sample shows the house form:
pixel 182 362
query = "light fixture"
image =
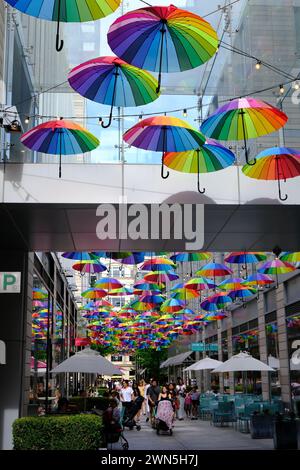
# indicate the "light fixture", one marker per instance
pixel 258 65
pixel 100 120
pixel 296 85
pixel 27 119
pixel 185 113
pixel 281 89
pixel 140 117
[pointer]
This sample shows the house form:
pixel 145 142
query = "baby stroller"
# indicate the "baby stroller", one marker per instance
pixel 164 417
pixel 130 413
pixel 113 432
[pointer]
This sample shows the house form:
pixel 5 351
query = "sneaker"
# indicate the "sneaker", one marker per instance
pixel 147 419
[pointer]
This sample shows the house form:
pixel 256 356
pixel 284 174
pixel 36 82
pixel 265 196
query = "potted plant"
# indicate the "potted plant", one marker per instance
pixel 261 425
pixel 285 431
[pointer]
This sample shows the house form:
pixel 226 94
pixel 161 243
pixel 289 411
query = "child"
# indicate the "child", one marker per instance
pixel 188 404
pixel 195 402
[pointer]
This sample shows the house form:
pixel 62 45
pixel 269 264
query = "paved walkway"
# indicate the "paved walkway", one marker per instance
pixel 194 435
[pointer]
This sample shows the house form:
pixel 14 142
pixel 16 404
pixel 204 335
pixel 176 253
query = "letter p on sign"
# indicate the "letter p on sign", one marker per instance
pixel 10 283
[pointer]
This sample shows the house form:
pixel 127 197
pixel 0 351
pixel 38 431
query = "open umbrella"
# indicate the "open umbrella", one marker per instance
pixel 66 11
pixel 276 267
pixel 158 264
pixel 108 283
pixel 242 119
pixel 111 81
pixel 276 163
pixel 242 362
pixel 60 138
pixel 91 267
pixel 210 157
pixel 164 134
pixel 80 255
pixel 204 364
pixel 217 301
pixel 161 276
pixel 163 39
pixel 135 257
pixel 290 256
pixel 200 283
pixel 87 361
pixel 258 279
pixel 94 293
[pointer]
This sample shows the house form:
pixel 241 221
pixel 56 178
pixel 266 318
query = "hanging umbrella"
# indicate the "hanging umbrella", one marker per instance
pixel 164 134
pixel 172 305
pixel 276 163
pixel 244 257
pixel 276 267
pixel 94 293
pixel 80 255
pixel 231 284
pixel 200 283
pixel 158 264
pixel 217 301
pixel 163 39
pixel 242 293
pixel 91 267
pixel 204 364
pixel 148 286
pixel 68 11
pixel 60 138
pixel 161 276
pixel 210 157
pixel 242 362
pixel 184 294
pixel 214 270
pixel 108 283
pixel 185 257
pixel 258 279
pixel 242 119
pixel 121 291
pixel 290 256
pixel 111 81
pixel 39 294
pixel 135 257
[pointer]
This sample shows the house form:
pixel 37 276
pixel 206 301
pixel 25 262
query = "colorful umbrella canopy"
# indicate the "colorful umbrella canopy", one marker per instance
pixel 200 283
pixel 80 255
pixel 190 257
pixel 147 286
pixel 66 11
pixel 158 264
pixel 276 267
pixel 163 39
pixel 242 293
pixel 242 119
pixel 231 284
pixel 135 257
pixel 108 283
pixel 217 301
pixel 164 134
pixel 291 257
pixel 121 291
pixel 276 163
pixel 258 279
pixel 172 305
pixel 214 270
pixel 60 138
pixel 111 81
pixel 160 276
pixel 184 294
pixel 244 257
pixel 210 157
pixel 91 267
pixel 39 294
pixel 94 293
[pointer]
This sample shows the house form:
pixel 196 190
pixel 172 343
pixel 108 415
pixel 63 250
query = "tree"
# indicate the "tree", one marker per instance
pixel 151 359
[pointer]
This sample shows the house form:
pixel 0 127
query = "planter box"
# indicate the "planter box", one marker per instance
pixel 261 426
pixel 285 434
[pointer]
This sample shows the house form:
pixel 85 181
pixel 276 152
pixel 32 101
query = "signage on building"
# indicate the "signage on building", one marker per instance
pixel 10 283
pixel 200 347
pixel 2 353
pixel 82 341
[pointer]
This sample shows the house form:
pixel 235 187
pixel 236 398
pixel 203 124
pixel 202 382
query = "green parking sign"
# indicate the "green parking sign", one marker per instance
pixel 10 282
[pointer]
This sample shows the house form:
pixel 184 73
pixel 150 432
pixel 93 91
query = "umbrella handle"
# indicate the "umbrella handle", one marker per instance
pixel 163 32
pixel 201 191
pixel 162 170
pixel 281 198
pixel 59 43
pixel 242 112
pixel 105 126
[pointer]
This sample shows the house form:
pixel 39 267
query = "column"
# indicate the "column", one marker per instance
pixel 230 351
pixel 282 347
pixel 220 355
pixel 15 332
pixel 263 352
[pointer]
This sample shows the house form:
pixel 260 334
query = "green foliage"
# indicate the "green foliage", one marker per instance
pixel 101 403
pixel 151 360
pixel 77 432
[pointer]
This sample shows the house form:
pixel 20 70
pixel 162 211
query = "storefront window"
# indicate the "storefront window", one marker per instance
pixel 273 357
pixel 293 337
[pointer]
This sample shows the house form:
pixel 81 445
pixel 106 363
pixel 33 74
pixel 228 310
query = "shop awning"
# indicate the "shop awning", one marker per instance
pixel 176 360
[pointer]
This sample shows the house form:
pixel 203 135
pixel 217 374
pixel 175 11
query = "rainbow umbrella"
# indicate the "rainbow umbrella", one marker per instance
pixel 200 283
pixel 161 276
pixel 93 304
pixel 214 270
pixel 68 11
pixel 276 163
pixel 210 157
pixel 185 257
pixel 217 301
pixel 121 291
pixel 276 267
pixel 242 293
pixel 39 294
pixel 244 257
pixel 131 258
pixel 80 255
pixel 242 119
pixel 60 138
pixel 158 264
pixel 231 284
pixel 147 286
pixel 91 267
pixel 111 81
pixel 184 294
pixel 164 134
pixel 290 257
pixel 258 279
pixel 94 293
pixel 163 39
pixel 172 305
pixel 108 283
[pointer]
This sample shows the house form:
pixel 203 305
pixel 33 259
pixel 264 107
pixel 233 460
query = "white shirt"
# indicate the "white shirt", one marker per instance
pixel 126 394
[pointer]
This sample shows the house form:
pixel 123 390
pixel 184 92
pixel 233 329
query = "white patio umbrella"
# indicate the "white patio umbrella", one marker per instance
pixel 243 362
pixel 204 364
pixel 89 362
